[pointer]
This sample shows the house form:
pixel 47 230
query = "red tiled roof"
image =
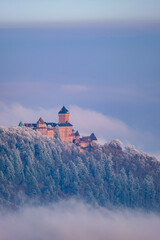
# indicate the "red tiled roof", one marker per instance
pixel 41 121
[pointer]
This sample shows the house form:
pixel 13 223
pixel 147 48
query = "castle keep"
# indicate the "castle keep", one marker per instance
pixel 64 129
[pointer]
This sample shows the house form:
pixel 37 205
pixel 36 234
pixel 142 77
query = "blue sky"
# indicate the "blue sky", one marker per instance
pixel 75 10
pixel 104 70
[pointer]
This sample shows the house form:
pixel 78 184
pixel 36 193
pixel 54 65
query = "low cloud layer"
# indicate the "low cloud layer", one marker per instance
pixel 86 121
pixel 74 220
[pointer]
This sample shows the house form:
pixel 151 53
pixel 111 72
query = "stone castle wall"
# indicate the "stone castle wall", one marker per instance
pixel 65 130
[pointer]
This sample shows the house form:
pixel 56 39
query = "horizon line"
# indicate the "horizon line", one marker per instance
pixel 138 24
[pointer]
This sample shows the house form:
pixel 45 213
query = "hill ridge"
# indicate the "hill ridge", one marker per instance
pixel 33 166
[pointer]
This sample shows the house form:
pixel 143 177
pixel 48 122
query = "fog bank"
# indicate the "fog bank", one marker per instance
pixel 74 220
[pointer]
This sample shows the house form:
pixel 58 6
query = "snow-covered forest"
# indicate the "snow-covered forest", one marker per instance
pixel 35 168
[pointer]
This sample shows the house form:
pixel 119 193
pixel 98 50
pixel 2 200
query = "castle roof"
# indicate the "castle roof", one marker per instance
pixel 93 137
pixel 41 121
pixel 20 124
pixel 86 139
pixel 77 134
pixel 28 124
pixel 63 110
pixel 51 124
pixel 66 124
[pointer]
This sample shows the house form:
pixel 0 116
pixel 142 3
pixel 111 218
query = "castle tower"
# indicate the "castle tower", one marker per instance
pixel 41 127
pixel 41 123
pixel 63 115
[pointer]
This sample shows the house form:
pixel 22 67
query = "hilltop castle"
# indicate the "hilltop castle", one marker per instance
pixel 64 129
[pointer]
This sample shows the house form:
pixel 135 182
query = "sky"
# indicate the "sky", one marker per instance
pixel 75 10
pixel 98 58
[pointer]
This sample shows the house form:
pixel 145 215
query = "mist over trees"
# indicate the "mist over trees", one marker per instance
pixel 36 168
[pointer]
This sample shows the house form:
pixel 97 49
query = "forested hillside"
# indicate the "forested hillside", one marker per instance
pixel 36 168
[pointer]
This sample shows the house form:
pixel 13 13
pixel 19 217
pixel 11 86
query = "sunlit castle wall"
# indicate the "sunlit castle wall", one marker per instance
pixel 63 118
pixel 66 133
pixel 51 132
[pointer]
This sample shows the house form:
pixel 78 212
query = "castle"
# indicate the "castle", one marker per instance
pixel 64 129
